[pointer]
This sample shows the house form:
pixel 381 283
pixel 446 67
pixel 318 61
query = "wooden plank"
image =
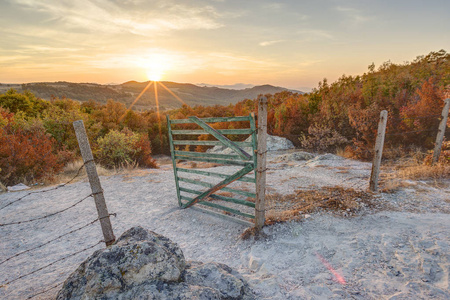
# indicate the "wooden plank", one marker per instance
pixel 190 191
pixel 207 155
pixel 220 197
pixel 221 207
pixel 221 138
pixel 210 185
pixel 222 131
pixel 220 185
pixel 260 209
pixel 214 174
pixel 441 132
pixel 213 120
pixel 379 143
pixel 215 160
pixel 174 163
pixel 208 143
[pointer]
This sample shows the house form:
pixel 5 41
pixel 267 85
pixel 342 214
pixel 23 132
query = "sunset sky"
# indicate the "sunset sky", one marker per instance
pixel 293 44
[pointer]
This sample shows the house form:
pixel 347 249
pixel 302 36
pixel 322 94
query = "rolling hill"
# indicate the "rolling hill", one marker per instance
pixel 127 92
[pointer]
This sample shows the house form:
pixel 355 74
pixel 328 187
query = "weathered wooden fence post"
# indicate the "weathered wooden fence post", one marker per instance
pixel 261 164
pixel 379 143
pixel 441 132
pixel 94 181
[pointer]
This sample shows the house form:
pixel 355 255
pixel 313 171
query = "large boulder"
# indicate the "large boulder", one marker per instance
pixel 144 265
pixel 274 143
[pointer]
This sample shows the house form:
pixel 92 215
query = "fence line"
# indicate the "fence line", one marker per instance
pixel 50 241
pixel 51 264
pixel 47 190
pixel 46 216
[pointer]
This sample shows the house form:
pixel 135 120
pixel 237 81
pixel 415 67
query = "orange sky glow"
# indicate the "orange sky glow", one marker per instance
pixel 293 44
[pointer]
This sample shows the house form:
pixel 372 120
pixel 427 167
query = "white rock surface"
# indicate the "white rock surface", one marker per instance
pixel 274 143
pixel 398 253
pixel 18 187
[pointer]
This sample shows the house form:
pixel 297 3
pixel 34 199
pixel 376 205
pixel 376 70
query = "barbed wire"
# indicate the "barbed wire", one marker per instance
pixel 50 264
pixel 52 240
pixel 47 216
pixel 48 190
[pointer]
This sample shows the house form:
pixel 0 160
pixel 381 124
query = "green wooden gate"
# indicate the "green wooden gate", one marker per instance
pixel 210 188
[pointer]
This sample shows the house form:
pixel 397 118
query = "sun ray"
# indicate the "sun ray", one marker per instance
pixel 172 93
pixel 136 100
pixel 157 113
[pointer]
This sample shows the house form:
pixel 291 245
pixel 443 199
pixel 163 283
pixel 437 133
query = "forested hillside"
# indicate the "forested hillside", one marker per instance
pixel 171 95
pixel 37 138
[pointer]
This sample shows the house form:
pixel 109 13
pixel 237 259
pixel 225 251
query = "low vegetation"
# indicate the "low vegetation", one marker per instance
pixel 37 139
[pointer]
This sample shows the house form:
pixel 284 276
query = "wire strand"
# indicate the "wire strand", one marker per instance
pixel 48 190
pixel 51 264
pixel 50 215
pixel 50 241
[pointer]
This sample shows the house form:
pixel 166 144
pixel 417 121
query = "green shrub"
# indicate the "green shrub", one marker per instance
pixel 118 148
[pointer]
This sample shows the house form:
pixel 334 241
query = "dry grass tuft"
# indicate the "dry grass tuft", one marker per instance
pixel 342 201
pixel 344 152
pixel 418 172
pixel 72 168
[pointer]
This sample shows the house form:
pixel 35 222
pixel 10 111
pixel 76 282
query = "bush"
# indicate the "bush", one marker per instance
pixel 118 148
pixel 322 139
pixel 26 156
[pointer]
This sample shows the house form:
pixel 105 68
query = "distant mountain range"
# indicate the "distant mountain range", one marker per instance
pixel 127 92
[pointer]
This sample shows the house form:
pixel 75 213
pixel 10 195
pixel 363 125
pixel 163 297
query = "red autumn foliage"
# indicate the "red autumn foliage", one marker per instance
pixel 26 155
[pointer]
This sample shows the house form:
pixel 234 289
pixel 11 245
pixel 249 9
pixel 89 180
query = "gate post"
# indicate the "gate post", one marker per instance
pixel 441 132
pixel 94 181
pixel 379 143
pixel 261 164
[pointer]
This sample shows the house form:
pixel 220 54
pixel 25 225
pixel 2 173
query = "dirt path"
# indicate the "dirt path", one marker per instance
pixel 399 254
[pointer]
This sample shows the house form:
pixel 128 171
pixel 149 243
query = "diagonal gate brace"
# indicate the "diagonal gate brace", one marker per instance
pixel 247 169
pixel 221 138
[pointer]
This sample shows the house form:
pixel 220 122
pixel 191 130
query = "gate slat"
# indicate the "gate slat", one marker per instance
pixel 223 139
pixel 208 143
pixel 218 161
pixel 220 197
pixel 210 185
pixel 214 120
pixel 218 206
pixel 206 154
pixel 220 185
pixel 214 174
pixel 222 131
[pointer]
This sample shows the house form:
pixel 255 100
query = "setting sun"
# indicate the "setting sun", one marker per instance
pixel 154 74
pixel 156 66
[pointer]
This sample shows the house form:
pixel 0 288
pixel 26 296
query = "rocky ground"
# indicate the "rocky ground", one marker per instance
pixel 396 249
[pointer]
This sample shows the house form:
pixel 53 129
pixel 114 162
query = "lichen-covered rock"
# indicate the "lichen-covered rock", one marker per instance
pixel 144 265
pixel 220 277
